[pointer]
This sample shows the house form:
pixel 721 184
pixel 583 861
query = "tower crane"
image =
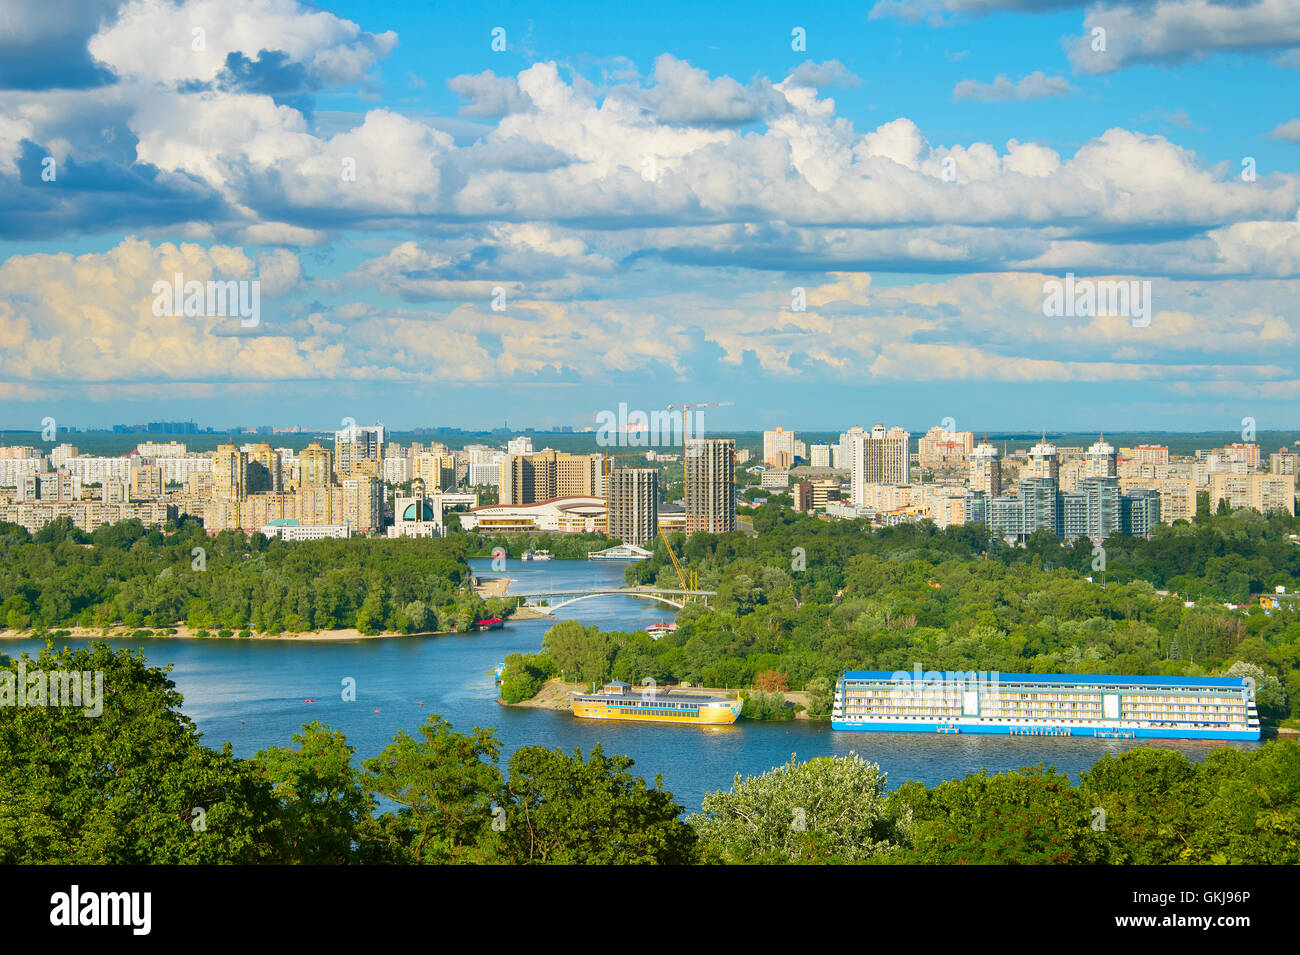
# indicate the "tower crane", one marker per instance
pixel 691 582
pixel 686 410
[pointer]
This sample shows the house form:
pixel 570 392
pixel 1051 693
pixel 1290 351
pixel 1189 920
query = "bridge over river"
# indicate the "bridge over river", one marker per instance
pixel 554 599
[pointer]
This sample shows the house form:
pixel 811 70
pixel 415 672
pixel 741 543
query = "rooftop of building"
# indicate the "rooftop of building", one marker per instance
pixel 1068 679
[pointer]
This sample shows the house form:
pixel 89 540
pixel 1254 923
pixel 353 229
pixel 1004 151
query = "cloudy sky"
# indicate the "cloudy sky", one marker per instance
pixel 826 214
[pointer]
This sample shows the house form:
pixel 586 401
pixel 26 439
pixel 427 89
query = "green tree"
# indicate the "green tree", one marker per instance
pixel 835 805
pixel 131 786
pixel 1032 816
pixel 576 650
pixel 370 616
pixel 562 810
pixel 322 804
pixel 821 697
pixel 445 785
pixel 524 675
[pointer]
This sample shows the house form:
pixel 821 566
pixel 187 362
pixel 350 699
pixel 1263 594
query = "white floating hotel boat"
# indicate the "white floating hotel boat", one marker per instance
pixel 1046 704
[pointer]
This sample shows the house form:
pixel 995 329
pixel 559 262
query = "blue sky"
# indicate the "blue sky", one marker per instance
pixel 647 189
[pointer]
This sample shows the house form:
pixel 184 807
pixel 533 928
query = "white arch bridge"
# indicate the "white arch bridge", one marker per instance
pixel 553 600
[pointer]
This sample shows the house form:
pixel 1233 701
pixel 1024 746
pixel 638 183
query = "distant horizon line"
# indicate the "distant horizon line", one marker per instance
pixel 239 431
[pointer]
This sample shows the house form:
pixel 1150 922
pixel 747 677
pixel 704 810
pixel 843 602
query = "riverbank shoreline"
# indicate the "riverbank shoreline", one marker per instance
pixel 554 695
pixel 492 586
pixel 189 633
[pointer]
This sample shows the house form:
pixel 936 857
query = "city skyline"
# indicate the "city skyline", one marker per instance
pixel 927 208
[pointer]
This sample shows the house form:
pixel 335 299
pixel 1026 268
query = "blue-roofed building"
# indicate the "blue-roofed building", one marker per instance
pixel 1046 704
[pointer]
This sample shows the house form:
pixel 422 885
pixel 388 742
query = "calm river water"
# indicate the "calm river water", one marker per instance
pixel 252 694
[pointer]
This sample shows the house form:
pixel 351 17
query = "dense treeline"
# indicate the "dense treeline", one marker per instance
pixel 78 790
pixel 561 546
pixel 810 598
pixel 1144 806
pixel 128 575
pixel 135 786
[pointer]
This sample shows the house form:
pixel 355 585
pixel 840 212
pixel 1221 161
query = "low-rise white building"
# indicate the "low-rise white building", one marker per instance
pixel 564 515
pixel 291 530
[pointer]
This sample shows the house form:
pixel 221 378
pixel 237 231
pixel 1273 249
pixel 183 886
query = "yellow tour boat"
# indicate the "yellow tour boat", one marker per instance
pixel 620 701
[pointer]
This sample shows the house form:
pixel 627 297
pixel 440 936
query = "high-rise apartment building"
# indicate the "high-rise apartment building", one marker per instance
pixel 264 472
pixel 363 503
pixel 802 493
pixel 1151 454
pixel 1139 512
pixel 60 455
pixel 986 469
pixel 484 465
pixel 820 456
pixel 1263 492
pixel 315 466
pixel 1044 462
pixel 843 455
pixel 1245 454
pixel 437 469
pixel 1103 507
pixel 879 456
pixel 633 504
pixel 940 448
pixel 356 444
pixel 1096 510
pixel 146 483
pixel 546 475
pixel 1281 461
pixel 710 485
pixel 229 473
pixel 1100 460
pixel 1177 495
pixel 778 448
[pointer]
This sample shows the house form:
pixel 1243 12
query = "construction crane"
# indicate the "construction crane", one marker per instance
pixel 688 583
pixel 604 478
pixel 686 410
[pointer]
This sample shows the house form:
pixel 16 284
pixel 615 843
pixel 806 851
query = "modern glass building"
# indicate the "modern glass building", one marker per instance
pixel 1103 510
pixel 1040 704
pixel 1139 512
pixel 1097 510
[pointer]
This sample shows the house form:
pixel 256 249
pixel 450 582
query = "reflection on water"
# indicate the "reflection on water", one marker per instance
pixel 255 693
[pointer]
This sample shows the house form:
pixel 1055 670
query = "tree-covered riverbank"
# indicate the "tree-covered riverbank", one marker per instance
pixel 135 785
pixel 129 576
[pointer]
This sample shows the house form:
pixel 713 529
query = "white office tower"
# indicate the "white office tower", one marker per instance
pixel 986 469
pixel 844 450
pixel 484 465
pixel 778 448
pixel 1044 462
pixel 1101 460
pixel 879 457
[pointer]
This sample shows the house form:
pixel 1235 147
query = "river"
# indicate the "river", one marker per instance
pixel 253 694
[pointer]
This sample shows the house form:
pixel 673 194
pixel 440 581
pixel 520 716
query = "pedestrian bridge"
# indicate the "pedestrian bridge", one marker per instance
pixel 553 600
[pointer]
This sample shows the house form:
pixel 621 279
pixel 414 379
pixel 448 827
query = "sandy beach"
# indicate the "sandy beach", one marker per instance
pixel 493 587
